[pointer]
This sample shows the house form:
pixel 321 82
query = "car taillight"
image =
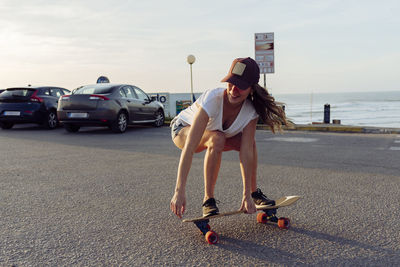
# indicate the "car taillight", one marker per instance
pixel 65 97
pixel 98 97
pixel 35 98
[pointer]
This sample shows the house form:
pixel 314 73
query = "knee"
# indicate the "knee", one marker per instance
pixel 217 141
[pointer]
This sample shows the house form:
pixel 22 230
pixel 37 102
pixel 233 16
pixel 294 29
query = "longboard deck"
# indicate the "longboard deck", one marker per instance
pixel 281 202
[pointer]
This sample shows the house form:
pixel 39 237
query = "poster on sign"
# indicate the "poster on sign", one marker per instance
pixel 264 48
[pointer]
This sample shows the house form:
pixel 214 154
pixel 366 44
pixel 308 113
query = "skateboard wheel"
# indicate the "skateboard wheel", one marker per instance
pixel 284 223
pixel 212 237
pixel 262 217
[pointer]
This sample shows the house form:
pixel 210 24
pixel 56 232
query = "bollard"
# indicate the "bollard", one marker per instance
pixel 327 113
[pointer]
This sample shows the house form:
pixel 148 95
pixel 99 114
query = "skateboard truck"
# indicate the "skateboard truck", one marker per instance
pixel 211 236
pixel 270 216
pixel 203 226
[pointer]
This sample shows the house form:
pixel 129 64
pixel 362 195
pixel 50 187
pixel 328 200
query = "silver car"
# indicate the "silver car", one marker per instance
pixel 112 105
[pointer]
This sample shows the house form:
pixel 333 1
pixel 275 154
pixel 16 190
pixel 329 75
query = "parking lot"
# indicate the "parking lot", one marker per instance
pixel 98 198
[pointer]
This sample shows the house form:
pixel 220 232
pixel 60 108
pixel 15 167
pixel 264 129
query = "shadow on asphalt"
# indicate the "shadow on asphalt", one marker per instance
pixel 278 256
pixel 83 130
pixel 27 127
pixel 262 253
pixel 138 138
pixel 340 240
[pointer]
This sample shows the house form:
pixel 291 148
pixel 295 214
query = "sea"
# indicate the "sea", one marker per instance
pixel 376 109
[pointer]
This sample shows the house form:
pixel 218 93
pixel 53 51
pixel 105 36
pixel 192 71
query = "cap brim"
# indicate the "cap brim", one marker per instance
pixel 235 80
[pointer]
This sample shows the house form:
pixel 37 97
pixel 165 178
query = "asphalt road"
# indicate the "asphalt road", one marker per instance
pixel 97 198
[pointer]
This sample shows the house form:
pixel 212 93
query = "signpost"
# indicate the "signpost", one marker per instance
pixel 264 53
pixel 191 59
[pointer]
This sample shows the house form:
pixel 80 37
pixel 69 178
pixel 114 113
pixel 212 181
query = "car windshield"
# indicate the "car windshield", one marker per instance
pixel 91 89
pixel 18 92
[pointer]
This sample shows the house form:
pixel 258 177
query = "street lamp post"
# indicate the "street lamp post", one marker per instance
pixel 191 59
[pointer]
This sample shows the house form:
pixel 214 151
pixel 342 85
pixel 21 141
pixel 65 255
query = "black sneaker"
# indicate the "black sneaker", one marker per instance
pixel 260 199
pixel 210 207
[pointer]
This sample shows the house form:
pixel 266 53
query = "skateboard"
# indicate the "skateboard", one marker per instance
pixel 268 214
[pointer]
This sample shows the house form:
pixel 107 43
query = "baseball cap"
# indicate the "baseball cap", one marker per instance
pixel 243 73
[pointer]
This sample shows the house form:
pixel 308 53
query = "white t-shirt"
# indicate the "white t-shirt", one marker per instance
pixel 212 103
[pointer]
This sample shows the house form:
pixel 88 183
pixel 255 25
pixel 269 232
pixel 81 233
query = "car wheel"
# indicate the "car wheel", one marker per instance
pixel 52 120
pixel 6 125
pixel 72 128
pixel 159 119
pixel 120 125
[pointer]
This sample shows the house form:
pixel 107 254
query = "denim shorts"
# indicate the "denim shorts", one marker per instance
pixel 175 128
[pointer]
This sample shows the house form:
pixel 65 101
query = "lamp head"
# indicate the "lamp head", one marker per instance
pixel 191 59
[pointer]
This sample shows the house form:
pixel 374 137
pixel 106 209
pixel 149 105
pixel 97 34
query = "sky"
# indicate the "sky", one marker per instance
pixel 320 46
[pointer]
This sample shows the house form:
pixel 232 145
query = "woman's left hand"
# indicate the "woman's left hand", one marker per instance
pixel 248 205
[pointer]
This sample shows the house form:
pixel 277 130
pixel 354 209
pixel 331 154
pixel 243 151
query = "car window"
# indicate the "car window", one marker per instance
pixel 65 91
pixel 129 92
pixel 121 92
pixel 93 89
pixel 45 91
pixel 141 95
pixel 55 92
pixel 16 92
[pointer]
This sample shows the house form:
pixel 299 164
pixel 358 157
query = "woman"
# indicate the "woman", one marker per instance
pixel 222 120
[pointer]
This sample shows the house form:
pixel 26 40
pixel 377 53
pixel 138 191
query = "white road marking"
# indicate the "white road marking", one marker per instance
pixel 292 139
pixel 394 148
pixel 397 141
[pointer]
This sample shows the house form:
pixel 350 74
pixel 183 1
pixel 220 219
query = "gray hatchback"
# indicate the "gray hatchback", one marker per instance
pixel 112 105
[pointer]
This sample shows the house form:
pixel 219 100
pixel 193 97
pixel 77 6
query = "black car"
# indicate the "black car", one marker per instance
pixel 31 104
pixel 112 105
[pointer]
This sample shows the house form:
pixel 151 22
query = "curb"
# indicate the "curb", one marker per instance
pixel 336 128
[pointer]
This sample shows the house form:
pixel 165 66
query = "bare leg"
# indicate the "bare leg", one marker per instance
pixel 233 143
pixel 213 142
pixel 254 173
pixel 212 163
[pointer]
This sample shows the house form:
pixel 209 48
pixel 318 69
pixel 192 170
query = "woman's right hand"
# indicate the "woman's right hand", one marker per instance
pixel 178 204
pixel 248 205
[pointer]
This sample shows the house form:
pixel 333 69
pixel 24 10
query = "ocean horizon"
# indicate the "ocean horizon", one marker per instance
pixel 376 109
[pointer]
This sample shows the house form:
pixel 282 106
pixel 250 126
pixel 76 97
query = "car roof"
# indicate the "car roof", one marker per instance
pixel 105 85
pixel 33 87
pixel 112 86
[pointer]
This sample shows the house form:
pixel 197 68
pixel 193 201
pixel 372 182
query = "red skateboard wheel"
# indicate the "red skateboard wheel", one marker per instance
pixel 212 237
pixel 262 217
pixel 284 223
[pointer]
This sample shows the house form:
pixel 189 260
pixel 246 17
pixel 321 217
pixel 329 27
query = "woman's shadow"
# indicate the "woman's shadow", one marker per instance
pixel 261 252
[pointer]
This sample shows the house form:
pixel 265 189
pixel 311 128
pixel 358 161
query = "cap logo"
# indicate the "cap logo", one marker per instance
pixel 239 68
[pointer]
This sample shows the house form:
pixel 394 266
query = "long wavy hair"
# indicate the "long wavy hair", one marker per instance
pixel 270 113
